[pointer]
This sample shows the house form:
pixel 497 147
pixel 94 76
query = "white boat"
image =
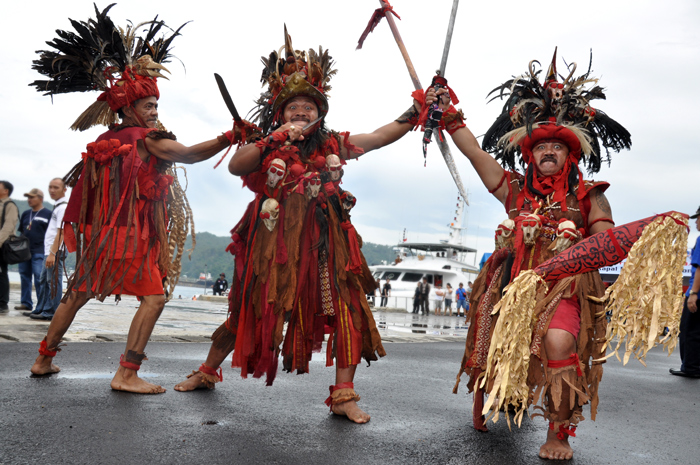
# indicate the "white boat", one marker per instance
pixel 439 262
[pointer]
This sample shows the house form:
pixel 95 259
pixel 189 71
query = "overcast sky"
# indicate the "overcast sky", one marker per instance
pixel 647 54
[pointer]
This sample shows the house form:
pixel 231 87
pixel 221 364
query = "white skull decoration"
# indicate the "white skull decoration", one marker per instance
pixel 313 186
pixel 503 232
pixel 270 213
pixel 348 201
pixel 531 228
pixel 556 92
pixel 334 167
pixel 567 235
pixel 275 172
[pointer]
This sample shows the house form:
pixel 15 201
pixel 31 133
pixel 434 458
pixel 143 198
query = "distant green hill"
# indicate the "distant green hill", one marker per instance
pixel 210 253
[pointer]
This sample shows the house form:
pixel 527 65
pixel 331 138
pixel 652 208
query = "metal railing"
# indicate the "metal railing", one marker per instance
pixel 406 303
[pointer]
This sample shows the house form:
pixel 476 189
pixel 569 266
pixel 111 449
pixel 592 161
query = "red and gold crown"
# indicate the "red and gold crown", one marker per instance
pixel 291 73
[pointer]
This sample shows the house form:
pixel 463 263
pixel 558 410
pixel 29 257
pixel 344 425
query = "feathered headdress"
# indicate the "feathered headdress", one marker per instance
pixel 296 73
pixel 553 110
pixel 101 56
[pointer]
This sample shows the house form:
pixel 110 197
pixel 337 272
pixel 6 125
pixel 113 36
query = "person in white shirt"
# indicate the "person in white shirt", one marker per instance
pixel 50 289
pixel 439 297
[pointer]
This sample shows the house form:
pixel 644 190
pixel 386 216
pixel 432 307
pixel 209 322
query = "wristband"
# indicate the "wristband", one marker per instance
pixel 453 120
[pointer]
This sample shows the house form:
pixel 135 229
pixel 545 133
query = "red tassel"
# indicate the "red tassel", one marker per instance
pixel 351 148
pixel 212 371
pixel 355 264
pixel 281 255
pixel 374 21
pixel 43 350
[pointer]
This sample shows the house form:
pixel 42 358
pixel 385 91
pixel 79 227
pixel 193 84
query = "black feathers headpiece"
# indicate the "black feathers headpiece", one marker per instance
pixel 101 56
pixel 529 103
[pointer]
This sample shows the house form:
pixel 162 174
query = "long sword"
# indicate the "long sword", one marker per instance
pixel 444 148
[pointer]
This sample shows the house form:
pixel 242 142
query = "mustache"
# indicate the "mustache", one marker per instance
pixel 548 158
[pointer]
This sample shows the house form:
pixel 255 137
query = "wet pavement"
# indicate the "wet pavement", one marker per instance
pixel 195 321
pixel 646 416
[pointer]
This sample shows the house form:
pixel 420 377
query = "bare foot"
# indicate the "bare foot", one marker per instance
pixel 555 448
pixel 43 366
pixel 352 411
pixel 194 381
pixel 129 381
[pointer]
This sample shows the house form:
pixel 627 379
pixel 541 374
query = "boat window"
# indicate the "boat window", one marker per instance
pixel 393 275
pixel 429 277
pixel 438 280
pixel 377 274
pixel 412 277
pixel 447 267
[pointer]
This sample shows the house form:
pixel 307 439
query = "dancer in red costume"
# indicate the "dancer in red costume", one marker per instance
pixel 126 208
pixel 298 259
pixel 551 128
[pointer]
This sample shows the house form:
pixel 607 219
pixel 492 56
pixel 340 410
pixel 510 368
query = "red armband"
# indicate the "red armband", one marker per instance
pixel 500 183
pixel 609 220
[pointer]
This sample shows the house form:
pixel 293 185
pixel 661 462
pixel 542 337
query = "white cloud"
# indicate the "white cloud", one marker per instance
pixel 646 53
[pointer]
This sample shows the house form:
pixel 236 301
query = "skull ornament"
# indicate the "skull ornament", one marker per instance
pixel 313 186
pixel 567 235
pixel 503 232
pixel 589 113
pixel 334 167
pixel 349 201
pixel 531 226
pixel 275 172
pixel 556 92
pixel 270 213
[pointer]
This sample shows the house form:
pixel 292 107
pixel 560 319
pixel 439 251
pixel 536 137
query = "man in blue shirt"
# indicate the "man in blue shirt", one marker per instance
pixel 32 225
pixel 461 294
pixel 690 319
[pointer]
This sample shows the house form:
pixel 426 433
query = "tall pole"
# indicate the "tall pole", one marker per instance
pixel 444 148
pixel 448 38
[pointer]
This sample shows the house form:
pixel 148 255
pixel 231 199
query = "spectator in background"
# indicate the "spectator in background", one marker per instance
pixel 424 293
pixel 220 285
pixel 51 279
pixel 378 290
pixel 9 217
pixel 689 343
pixel 416 298
pixel 462 304
pixel 439 297
pixel 448 299
pixel 386 293
pixel 33 224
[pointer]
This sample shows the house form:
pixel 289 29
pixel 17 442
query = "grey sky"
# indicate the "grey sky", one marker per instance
pixel 646 54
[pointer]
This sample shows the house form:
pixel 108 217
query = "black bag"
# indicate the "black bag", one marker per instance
pixel 16 248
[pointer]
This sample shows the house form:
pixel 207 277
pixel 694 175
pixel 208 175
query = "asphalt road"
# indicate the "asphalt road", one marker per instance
pixel 646 416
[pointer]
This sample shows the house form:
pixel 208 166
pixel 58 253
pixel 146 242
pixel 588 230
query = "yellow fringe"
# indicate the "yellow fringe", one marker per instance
pixel 648 295
pixel 509 352
pixel 181 221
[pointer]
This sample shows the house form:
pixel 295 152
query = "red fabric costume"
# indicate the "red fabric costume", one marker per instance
pixel 116 218
pixel 307 271
pixel 570 309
